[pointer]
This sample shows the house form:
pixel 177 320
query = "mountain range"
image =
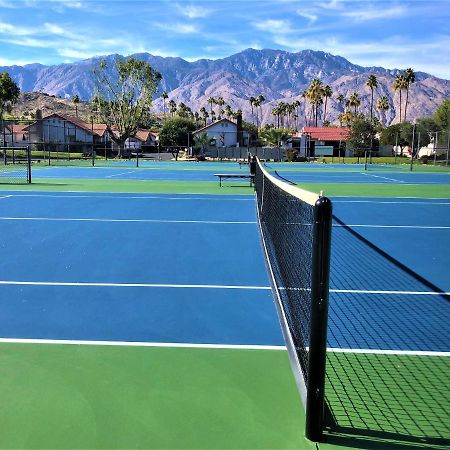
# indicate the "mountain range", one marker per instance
pixel 275 74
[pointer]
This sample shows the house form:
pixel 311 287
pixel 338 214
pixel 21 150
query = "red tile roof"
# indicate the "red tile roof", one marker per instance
pixel 327 133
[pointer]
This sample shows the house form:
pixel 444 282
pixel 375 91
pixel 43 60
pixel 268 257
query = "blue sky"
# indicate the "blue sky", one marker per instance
pixel 392 34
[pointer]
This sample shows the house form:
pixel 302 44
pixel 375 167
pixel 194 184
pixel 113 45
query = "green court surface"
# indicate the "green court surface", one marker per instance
pixel 235 187
pixel 78 396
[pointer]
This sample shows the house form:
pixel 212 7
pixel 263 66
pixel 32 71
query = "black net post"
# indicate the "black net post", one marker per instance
pixel 319 318
pixel 28 153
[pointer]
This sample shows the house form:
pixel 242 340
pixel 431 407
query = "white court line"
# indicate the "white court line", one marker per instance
pixel 213 346
pixel 209 222
pixel 70 219
pixel 379 176
pixel 375 292
pixel 5 196
pixel 205 286
pixel 142 344
pixel 396 197
pixel 419 227
pixel 145 285
pixel 118 174
pixel 106 196
pixel 392 202
pixel 387 352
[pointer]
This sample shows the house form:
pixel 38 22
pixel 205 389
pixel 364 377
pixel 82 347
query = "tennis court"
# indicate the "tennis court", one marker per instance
pixel 141 319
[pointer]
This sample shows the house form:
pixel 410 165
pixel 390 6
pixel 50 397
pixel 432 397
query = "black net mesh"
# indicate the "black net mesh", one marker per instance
pixel 14 166
pixel 287 231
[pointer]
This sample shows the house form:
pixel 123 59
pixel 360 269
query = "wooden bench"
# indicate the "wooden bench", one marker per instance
pixel 223 176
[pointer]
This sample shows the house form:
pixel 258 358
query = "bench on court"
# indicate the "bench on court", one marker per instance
pixel 223 176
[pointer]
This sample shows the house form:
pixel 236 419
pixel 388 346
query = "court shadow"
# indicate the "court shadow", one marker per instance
pixel 375 399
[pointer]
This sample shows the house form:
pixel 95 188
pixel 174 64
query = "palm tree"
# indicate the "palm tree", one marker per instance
pixel 172 107
pixel 211 102
pixel 314 94
pixel 220 102
pixel 327 93
pixel 204 114
pixel 76 100
pixel 252 103
pixel 399 85
pixel 260 101
pixel 410 77
pixel 164 96
pixel 372 83
pixel 340 98
pixel 228 111
pixel 354 101
pixel 383 106
pixel 276 113
pixel 296 105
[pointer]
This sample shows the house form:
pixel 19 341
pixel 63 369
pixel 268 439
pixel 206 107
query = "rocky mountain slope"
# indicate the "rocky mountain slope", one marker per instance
pixel 277 75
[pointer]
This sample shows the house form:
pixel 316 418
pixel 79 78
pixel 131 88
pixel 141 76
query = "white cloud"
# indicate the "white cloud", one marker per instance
pixel 74 54
pixel 307 15
pixel 364 15
pixel 333 5
pixel 193 12
pixel 178 28
pixel 274 26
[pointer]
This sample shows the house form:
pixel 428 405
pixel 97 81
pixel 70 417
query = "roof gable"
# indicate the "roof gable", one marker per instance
pixel 214 123
pixel 327 133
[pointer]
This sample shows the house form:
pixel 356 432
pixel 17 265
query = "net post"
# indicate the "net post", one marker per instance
pixel 315 404
pixel 28 164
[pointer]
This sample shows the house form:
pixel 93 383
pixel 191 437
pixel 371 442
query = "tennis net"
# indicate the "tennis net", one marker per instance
pixel 15 165
pixel 295 229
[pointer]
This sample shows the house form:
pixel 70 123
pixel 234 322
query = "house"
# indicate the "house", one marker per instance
pixel 226 133
pixel 142 140
pixel 323 141
pixel 15 135
pixel 60 129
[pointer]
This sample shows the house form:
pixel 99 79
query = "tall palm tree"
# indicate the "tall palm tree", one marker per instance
pixel 220 102
pixel 372 83
pixel 228 111
pixel 76 101
pixel 296 105
pixel 276 113
pixel 260 99
pixel 314 94
pixel 383 106
pixel 164 96
pixel 399 85
pixel 410 77
pixel 327 93
pixel 211 101
pixel 340 98
pixel 204 114
pixel 355 101
pixel 252 104
pixel 172 107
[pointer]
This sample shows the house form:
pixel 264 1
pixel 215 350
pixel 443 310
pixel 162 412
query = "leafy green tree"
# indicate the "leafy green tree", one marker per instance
pixel 9 93
pixel 362 135
pixel 125 96
pixel 176 132
pixel 442 115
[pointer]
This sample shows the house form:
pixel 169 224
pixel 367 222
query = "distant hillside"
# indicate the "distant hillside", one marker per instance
pixel 277 75
pixel 29 102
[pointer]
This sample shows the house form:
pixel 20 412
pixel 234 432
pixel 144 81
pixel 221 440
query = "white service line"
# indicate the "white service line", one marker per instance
pixel 71 219
pixel 378 292
pixel 145 285
pixel 379 176
pixel 118 174
pixel 5 196
pixel 387 352
pixel 141 344
pixel 206 286
pixel 214 346
pixel 214 198
pixel 392 202
pixel 419 227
